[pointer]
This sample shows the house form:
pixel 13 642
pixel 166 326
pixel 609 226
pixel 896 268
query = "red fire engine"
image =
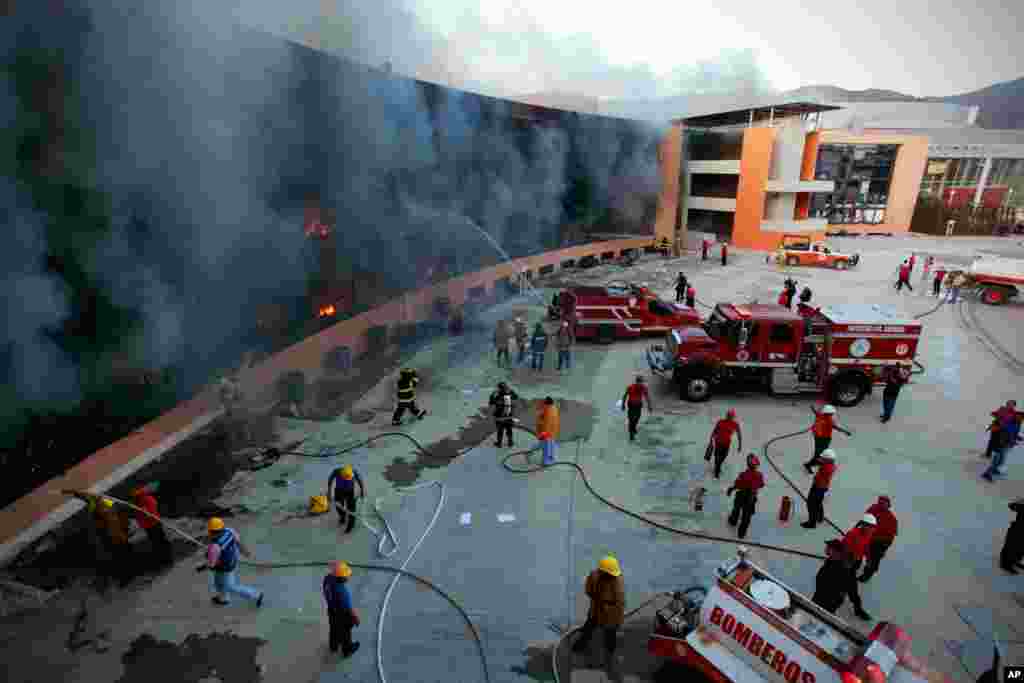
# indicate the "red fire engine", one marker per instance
pixel 749 627
pixel 621 311
pixel 841 350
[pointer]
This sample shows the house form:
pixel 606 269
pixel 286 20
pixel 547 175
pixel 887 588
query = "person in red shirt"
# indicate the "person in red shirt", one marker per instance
pixel 911 261
pixel 885 534
pixel 746 487
pixel 691 297
pixel 705 246
pixel 150 523
pixel 824 424
pixel 721 440
pixel 904 278
pixel 725 252
pixel 633 403
pixel 940 274
pixel 855 544
pixel 820 486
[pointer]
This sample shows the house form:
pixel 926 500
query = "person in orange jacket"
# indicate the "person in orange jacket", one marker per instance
pixel 548 427
pixel 882 539
pixel 820 486
pixel 746 487
pixel 824 424
pixel 856 543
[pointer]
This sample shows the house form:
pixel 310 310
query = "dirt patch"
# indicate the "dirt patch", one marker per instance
pixel 577 422
pixel 333 394
pixel 222 657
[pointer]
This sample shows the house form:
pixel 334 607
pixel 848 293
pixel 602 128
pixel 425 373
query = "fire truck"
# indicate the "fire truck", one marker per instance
pixel 998 278
pixel 841 350
pixel 622 311
pixel 749 628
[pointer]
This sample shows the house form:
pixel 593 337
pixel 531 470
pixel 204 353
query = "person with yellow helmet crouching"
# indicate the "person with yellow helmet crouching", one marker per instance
pixel 343 481
pixel 341 615
pixel 222 558
pixel 607 594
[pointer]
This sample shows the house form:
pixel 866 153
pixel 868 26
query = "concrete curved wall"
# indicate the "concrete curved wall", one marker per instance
pixel 33 515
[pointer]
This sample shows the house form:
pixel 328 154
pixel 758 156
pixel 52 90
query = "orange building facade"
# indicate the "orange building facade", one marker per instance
pixel 784 176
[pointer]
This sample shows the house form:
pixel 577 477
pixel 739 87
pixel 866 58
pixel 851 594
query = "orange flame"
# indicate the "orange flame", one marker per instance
pixel 327 311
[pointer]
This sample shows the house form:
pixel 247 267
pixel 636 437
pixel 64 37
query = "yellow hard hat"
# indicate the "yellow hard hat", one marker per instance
pixel 346 472
pixel 107 503
pixel 342 570
pixel 215 524
pixel 609 565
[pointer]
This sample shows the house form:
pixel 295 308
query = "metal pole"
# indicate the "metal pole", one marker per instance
pixel 751 123
pixel 771 117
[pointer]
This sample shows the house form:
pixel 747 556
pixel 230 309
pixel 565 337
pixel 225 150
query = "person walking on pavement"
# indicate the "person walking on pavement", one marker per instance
pixel 1007 436
pixel 721 440
pixel 538 347
pixel 691 297
pixel 940 275
pixel 151 524
pixel 824 424
pixel 565 339
pixel 725 252
pixel 407 382
pixel 885 533
pixel 746 487
pixel 904 277
pixel 928 262
pixel 681 285
pixel 503 401
pixel 705 247
pixel 522 335
pixel 895 378
pixel 633 404
pixel 819 487
pixel 502 336
pixel 341 615
pixel 1013 547
pixel 856 543
pixel 607 593
pixel 999 417
pixel 955 284
pixel 341 488
pixel 912 261
pixel 548 428
pixel 222 558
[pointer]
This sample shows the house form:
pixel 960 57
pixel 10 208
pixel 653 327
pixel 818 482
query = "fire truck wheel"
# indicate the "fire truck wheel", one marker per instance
pixel 695 388
pixel 792 261
pixel 848 390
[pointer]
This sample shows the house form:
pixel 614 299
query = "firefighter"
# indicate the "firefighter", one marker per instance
pixel 502 336
pixel 725 252
pixel 604 587
pixel 721 440
pixel 940 275
pixel 824 424
pixel 885 534
pixel 633 404
pixel 521 336
pixel 830 584
pixel 895 378
pixel 691 297
pixel 548 427
pixel 856 543
pixel 1013 547
pixel 538 347
pixel 341 488
pixel 407 381
pixel 904 277
pixel 819 487
pixel 341 615
pixel 681 285
pixel 564 340
pixel 151 524
pixel 222 558
pixel 746 487
pixel 503 401
pixel 705 247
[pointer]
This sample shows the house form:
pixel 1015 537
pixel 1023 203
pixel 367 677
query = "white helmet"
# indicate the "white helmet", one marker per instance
pixel 829 410
pixel 869 519
pixel 828 454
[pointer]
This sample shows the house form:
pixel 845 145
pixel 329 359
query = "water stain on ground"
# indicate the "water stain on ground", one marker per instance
pixel 577 422
pixel 537 665
pixel 223 657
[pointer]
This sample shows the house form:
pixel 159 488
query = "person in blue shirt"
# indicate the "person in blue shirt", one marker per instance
pixel 341 615
pixel 538 346
pixel 343 480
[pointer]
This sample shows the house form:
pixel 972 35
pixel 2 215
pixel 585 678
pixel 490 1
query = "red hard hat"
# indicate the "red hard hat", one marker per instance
pixel 730 413
pixel 885 499
pixel 753 460
pixel 544 436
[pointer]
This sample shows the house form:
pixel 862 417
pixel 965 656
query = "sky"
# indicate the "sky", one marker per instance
pixel 597 49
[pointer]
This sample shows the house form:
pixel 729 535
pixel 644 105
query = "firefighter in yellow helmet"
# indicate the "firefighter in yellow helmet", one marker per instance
pixel 341 615
pixel 341 488
pixel 607 594
pixel 116 560
pixel 407 381
pixel 222 558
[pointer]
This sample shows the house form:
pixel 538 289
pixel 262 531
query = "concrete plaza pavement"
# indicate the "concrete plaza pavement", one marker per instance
pixel 520 578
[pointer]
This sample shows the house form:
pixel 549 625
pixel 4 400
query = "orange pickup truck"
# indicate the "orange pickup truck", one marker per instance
pixel 797 250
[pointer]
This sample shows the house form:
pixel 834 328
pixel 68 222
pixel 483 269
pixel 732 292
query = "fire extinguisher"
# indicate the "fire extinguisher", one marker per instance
pixel 697 498
pixel 785 508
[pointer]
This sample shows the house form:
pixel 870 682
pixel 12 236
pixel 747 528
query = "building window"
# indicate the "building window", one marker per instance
pixel 862 175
